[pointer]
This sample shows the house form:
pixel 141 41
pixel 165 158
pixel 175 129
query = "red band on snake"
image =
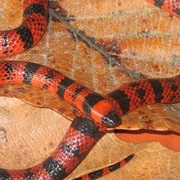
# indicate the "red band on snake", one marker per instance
pixel 93 120
pixel 171 6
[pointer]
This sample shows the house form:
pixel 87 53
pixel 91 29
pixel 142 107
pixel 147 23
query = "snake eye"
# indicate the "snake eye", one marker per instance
pixel 112 119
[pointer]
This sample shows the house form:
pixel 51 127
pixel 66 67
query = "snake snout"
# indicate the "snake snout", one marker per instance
pixel 112 119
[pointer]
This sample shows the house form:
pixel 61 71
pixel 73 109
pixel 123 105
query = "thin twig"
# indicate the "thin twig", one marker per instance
pixel 112 60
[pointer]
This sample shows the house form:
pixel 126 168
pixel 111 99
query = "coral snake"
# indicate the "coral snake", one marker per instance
pixel 97 113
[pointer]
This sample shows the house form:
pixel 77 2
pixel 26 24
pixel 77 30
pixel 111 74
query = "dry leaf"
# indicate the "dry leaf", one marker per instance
pixel 140 38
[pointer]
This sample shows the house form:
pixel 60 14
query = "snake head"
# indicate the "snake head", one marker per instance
pixel 112 119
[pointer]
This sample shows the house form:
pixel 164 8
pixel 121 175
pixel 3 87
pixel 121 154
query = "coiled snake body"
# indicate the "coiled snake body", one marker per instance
pixel 97 112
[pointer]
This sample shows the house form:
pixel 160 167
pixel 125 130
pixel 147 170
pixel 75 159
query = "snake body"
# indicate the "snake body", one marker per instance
pixel 84 131
pixel 35 20
pixel 97 113
pixel 33 27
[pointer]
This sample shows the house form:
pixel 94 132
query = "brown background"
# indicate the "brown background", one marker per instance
pixel 144 39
